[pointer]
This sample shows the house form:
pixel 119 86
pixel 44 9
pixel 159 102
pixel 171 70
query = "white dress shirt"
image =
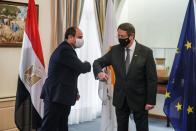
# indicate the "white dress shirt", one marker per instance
pixel 132 49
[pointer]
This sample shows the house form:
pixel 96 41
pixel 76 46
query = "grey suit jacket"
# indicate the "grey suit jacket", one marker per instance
pixel 139 86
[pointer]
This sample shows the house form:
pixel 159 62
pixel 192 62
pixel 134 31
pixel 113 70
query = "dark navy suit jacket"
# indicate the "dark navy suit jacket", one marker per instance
pixel 64 69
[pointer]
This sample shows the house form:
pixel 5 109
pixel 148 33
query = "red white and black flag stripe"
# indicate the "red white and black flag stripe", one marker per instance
pixel 29 106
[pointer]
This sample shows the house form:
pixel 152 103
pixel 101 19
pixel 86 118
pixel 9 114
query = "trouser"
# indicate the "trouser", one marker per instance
pixel 140 118
pixel 55 117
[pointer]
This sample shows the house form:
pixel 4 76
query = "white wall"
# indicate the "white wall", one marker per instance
pixel 158 23
pixel 10 57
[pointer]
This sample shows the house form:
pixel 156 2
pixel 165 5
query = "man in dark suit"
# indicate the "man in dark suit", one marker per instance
pixel 136 78
pixel 60 89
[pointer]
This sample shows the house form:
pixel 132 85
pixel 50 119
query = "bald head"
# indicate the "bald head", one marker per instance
pixel 73 33
pixel 79 33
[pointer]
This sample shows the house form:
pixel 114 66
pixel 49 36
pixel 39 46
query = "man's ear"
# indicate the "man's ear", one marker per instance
pixel 132 36
pixel 69 37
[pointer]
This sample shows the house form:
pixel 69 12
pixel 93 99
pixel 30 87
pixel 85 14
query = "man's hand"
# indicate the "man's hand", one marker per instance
pixel 102 76
pixel 149 107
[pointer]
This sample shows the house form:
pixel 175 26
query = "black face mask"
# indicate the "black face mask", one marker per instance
pixel 124 42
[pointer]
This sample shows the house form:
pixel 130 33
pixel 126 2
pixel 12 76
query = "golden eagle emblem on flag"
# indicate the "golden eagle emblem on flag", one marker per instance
pixel 31 76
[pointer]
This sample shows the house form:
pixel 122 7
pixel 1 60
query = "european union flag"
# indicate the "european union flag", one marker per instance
pixel 180 102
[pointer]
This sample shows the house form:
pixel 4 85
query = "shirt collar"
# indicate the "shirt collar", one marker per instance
pixel 132 47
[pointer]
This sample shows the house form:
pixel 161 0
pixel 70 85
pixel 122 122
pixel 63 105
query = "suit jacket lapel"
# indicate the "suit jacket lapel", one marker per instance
pixel 122 61
pixel 134 58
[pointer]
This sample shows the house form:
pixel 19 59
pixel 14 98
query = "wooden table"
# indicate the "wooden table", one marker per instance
pixel 163 76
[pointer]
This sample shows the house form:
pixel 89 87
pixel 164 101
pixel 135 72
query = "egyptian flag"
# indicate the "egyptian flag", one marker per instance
pixel 29 106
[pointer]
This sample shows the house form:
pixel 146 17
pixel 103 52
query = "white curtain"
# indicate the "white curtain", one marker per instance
pixel 89 105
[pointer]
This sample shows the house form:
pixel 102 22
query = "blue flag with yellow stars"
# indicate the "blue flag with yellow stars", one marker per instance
pixel 180 101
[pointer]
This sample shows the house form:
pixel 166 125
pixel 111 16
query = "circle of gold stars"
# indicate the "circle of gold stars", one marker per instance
pixel 179 105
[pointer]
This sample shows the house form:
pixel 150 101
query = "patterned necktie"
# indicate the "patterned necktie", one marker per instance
pixel 127 61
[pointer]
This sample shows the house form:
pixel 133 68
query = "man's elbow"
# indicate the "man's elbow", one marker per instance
pixel 86 68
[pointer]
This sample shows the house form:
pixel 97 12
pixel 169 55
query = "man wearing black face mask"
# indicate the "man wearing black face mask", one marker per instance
pixel 60 90
pixel 136 78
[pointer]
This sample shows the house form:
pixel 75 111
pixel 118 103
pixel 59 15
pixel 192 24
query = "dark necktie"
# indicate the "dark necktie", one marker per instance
pixel 127 60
